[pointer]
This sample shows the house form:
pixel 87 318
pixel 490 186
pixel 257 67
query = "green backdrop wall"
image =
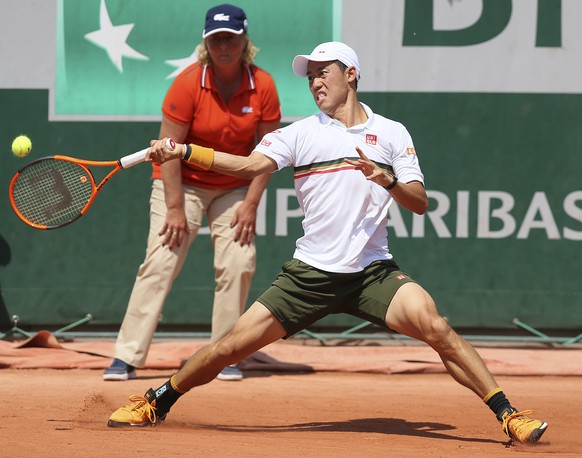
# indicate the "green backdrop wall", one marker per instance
pixel 522 146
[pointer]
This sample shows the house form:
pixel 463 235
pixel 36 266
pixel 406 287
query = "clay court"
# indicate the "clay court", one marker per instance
pixel 297 400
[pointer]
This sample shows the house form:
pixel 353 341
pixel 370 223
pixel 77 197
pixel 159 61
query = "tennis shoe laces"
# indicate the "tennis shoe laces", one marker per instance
pixel 141 411
pixel 518 426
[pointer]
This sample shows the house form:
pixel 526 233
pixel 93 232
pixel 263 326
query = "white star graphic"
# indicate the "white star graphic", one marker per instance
pixel 181 64
pixel 113 39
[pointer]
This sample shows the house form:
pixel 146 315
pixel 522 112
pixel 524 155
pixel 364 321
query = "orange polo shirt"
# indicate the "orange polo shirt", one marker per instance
pixel 193 99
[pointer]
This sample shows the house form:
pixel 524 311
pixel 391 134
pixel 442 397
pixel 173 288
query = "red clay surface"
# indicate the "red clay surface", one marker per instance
pixel 63 413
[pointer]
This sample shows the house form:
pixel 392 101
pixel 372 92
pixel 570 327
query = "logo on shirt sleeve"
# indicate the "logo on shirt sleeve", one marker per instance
pixel 247 109
pixel 410 151
pixel 265 142
pixel 371 139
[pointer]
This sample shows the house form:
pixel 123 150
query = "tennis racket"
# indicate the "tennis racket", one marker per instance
pixel 55 191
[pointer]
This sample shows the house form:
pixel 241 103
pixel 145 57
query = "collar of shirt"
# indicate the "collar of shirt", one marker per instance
pixel 327 120
pixel 207 81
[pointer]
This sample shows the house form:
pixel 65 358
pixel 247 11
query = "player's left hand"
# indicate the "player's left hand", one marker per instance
pixel 370 170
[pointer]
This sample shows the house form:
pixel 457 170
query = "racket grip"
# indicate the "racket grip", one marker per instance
pixel 133 159
pixel 140 156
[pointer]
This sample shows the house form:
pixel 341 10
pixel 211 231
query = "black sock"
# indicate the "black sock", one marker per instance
pixel 166 396
pixel 498 403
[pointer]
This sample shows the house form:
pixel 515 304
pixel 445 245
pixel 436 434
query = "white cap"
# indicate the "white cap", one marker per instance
pixel 332 50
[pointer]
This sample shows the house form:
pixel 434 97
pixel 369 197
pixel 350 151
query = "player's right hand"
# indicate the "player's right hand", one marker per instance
pixel 165 150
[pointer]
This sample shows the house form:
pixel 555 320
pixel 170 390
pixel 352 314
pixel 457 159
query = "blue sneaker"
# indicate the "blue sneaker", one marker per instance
pixel 230 373
pixel 119 371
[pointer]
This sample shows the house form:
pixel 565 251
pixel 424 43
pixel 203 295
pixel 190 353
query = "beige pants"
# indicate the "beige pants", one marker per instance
pixel 234 267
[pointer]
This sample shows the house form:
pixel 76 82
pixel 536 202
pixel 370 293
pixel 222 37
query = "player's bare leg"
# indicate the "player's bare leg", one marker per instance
pixel 413 312
pixel 255 329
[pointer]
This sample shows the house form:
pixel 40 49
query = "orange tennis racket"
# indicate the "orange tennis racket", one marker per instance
pixel 55 191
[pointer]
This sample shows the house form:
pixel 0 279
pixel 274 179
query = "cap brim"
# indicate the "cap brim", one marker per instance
pixel 301 62
pixel 224 29
pixel 300 65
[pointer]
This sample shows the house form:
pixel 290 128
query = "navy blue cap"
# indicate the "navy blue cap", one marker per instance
pixel 225 18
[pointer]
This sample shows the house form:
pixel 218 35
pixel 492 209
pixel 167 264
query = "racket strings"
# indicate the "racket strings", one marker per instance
pixel 52 192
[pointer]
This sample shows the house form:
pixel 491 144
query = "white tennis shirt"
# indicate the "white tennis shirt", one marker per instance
pixel 345 214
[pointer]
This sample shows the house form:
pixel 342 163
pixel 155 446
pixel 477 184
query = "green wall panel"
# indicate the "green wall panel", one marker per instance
pixel 516 144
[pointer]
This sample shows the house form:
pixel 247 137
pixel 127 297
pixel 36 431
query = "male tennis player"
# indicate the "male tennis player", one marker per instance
pixel 342 263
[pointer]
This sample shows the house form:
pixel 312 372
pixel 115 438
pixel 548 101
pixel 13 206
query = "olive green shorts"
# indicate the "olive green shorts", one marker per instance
pixel 301 294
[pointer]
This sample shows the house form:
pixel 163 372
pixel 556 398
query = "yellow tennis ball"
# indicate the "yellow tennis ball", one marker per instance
pixel 21 146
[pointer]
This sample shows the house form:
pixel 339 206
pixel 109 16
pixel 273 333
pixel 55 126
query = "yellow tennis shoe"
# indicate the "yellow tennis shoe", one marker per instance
pixel 518 426
pixel 140 412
